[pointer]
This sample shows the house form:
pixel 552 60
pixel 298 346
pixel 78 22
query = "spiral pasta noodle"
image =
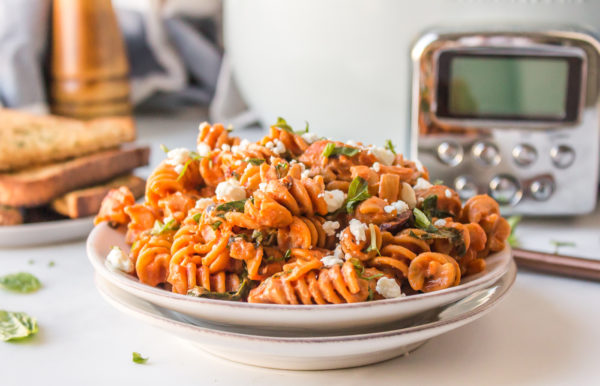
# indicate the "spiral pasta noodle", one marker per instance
pixel 295 219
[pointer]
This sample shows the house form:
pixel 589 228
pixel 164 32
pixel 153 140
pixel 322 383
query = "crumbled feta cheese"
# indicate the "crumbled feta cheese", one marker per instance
pixel 203 203
pixel 178 156
pixel 272 160
pixel 334 199
pixel 179 168
pixel 262 186
pixel 238 162
pixel 383 155
pixel 203 149
pixel 243 146
pixel 310 137
pixel 419 166
pixel 388 288
pixel 376 166
pixel 305 174
pixel 448 193
pixel 168 219
pixel 225 147
pixel 330 261
pixel 117 259
pixel 398 206
pixel 440 222
pixel 279 147
pixel 358 230
pixel 352 143
pixel 421 184
pixel 230 190
pixel 248 167
pixel 330 227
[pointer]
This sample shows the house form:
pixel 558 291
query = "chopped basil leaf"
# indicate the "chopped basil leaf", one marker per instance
pixel 360 270
pixel 164 148
pixel 305 129
pixel 255 161
pixel 557 244
pixel 331 150
pixel 429 207
pixel 195 156
pixel 512 239
pixel 197 217
pixel 371 294
pixel 160 228
pixel 453 235
pixel 138 358
pixel 232 206
pixel 287 254
pixel 241 293
pixel 280 167
pixel 20 282
pixel 216 224
pixel 390 146
pixel 16 325
pixel 358 191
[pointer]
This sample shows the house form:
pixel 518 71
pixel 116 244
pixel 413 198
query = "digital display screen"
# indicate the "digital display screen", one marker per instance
pixel 509 87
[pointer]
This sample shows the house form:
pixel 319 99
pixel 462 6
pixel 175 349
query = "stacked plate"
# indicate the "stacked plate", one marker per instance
pixel 302 337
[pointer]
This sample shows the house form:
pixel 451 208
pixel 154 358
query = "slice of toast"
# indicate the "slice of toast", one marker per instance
pixel 39 185
pixel 87 201
pixel 36 140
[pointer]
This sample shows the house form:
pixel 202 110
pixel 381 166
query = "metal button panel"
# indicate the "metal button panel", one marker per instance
pixel 542 188
pixel 524 154
pixel 562 156
pixel 505 189
pixel 465 186
pixel 450 153
pixel 486 153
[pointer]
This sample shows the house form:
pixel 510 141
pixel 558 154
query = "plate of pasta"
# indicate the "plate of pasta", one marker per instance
pixel 296 231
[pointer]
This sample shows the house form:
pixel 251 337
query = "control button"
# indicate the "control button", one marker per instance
pixel 505 189
pixel 486 153
pixel 524 155
pixel 562 156
pixel 465 187
pixel 450 153
pixel 542 188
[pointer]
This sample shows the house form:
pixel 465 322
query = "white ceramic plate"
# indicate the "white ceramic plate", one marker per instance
pixel 46 232
pixel 311 353
pixel 317 317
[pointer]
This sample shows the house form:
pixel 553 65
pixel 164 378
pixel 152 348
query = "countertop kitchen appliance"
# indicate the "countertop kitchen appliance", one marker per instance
pixel 493 96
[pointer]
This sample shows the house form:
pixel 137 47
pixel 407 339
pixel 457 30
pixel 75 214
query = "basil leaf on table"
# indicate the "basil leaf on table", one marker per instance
pixel 138 358
pixel 16 325
pixel 20 282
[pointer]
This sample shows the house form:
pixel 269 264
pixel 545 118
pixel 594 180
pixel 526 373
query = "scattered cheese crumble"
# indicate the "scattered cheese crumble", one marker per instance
pixel 384 156
pixel 330 261
pixel 117 259
pixel 388 288
pixel 440 222
pixel 448 193
pixel 398 206
pixel 203 203
pixel 225 147
pixel 334 199
pixel 330 227
pixel 310 137
pixel 421 184
pixel 276 146
pixel 358 230
pixel 177 156
pixel 203 149
pixel 230 190
pixel 376 166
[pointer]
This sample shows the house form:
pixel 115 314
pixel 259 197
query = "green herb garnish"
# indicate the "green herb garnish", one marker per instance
pixel 20 282
pixel 453 235
pixel 255 161
pixel 164 148
pixel 429 207
pixel 390 146
pixel 557 244
pixel 16 325
pixel 51 264
pixel 422 221
pixel 232 206
pixel 512 239
pixel 282 124
pixel 331 150
pixel 159 228
pixel 197 217
pixel 360 270
pixel 287 254
pixel 373 246
pixel 216 225
pixel 280 167
pixel 138 358
pixel 201 292
pixel 185 166
pixel 358 191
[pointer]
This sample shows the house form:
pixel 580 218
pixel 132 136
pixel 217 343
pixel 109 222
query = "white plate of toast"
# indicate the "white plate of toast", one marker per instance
pixel 55 171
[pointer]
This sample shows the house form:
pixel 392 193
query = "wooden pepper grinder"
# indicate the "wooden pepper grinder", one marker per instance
pixel 89 68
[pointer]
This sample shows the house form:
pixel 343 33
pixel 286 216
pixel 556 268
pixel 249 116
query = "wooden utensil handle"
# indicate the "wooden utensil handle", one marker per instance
pixel 558 264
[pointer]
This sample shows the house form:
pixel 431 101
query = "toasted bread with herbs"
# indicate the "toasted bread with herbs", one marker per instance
pixel 40 185
pixel 36 140
pixel 87 201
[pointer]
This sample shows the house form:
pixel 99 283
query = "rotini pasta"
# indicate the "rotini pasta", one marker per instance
pixel 294 219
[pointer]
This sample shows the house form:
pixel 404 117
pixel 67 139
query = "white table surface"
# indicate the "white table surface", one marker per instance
pixel 547 331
